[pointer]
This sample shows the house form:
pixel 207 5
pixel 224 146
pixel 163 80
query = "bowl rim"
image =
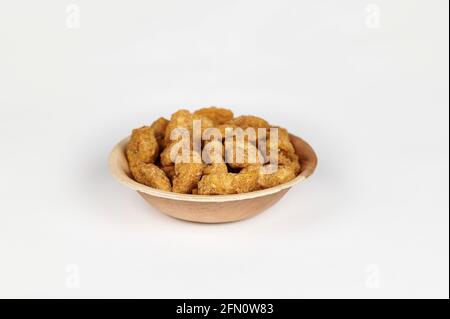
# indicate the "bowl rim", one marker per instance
pixel 119 174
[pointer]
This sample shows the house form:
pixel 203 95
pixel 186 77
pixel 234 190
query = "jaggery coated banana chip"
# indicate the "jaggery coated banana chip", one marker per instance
pixel 290 160
pixel 229 183
pixel 246 121
pixel 243 153
pixel 183 119
pixel 284 141
pixel 179 119
pixel 281 175
pixel 213 156
pixel 271 175
pixel 215 169
pixel 151 175
pixel 166 155
pixel 246 182
pixel 159 127
pixel 143 146
pixel 175 151
pixel 217 184
pixel 216 114
pixel 206 123
pixel 169 171
pixel 187 175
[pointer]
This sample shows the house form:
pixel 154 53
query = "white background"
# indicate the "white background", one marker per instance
pixel 365 82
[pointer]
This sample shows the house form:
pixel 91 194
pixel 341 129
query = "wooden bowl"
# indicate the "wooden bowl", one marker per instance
pixel 208 208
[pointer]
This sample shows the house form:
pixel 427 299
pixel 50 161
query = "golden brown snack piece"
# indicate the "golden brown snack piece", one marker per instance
pixel 252 168
pixel 183 119
pixel 187 175
pixel 281 175
pixel 216 169
pixel 143 146
pixel 283 148
pixel 169 171
pixel 179 119
pixel 230 183
pixel 246 121
pixel 217 184
pixel 151 175
pixel 289 160
pixel 216 114
pixel 179 149
pixel 242 154
pixel 272 175
pixel 165 156
pixel 213 156
pixel 206 123
pixel 246 182
pixel 159 127
pixel 284 141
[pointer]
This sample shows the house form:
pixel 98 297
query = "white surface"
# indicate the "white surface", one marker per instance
pixel 373 101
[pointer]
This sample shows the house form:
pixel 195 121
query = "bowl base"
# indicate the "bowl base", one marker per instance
pixel 213 212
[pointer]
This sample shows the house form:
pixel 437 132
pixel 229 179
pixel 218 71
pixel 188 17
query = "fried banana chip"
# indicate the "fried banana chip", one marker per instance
pixel 246 121
pixel 229 183
pixel 159 127
pixel 169 171
pixel 206 122
pixel 213 155
pixel 216 169
pixel 284 141
pixel 142 147
pixel 217 184
pixel 282 174
pixel 246 182
pixel 179 150
pixel 289 160
pixel 272 175
pixel 183 119
pixel 187 175
pixel 216 114
pixel 242 154
pixel 165 157
pixel 179 119
pixel 151 175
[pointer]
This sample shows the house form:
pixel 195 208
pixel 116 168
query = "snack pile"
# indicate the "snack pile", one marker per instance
pixel 210 169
